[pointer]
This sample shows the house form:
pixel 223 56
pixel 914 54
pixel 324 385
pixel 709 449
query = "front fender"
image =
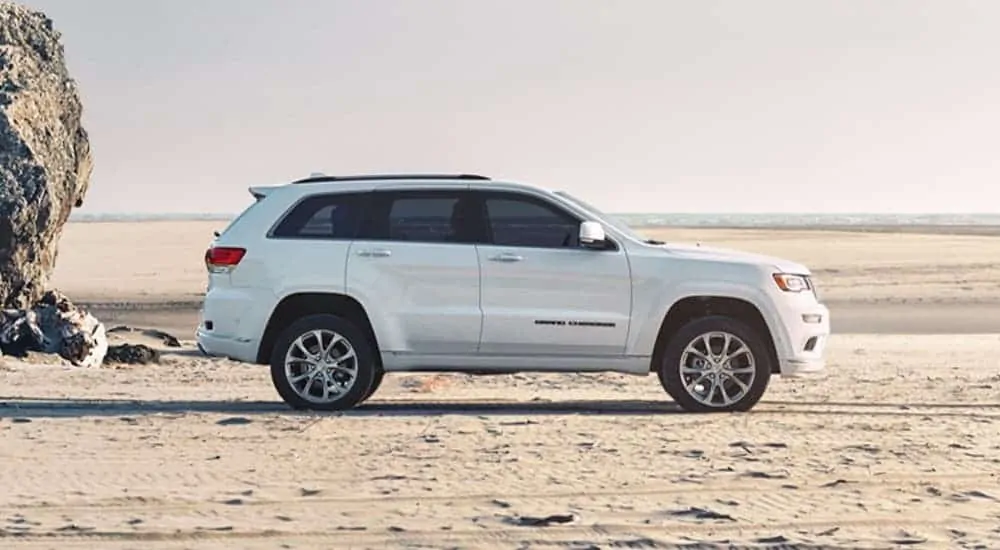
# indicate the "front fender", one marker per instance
pixel 651 313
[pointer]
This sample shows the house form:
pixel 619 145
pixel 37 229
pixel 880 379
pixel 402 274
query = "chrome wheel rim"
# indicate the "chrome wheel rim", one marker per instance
pixel 321 366
pixel 717 369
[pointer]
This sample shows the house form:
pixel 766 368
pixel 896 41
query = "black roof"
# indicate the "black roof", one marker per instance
pixel 364 177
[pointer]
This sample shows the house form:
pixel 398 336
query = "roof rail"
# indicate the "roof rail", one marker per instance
pixel 323 178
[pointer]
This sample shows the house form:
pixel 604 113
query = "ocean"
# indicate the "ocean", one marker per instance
pixel 668 219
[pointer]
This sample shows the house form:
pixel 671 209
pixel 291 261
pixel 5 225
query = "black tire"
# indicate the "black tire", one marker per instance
pixel 376 382
pixel 365 363
pixel 670 368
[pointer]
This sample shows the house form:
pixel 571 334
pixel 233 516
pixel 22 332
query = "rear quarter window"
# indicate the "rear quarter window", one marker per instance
pixel 240 216
pixel 331 216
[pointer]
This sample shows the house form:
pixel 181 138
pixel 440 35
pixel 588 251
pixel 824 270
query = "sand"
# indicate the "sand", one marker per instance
pixel 896 444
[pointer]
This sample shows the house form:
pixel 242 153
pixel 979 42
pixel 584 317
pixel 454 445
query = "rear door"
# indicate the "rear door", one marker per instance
pixel 415 268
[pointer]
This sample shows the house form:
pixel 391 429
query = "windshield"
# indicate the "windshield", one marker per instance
pixel 606 218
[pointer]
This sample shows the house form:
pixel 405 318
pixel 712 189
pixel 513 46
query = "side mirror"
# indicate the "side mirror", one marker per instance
pixel 592 235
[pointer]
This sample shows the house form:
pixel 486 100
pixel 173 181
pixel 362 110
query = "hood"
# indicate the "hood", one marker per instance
pixel 695 251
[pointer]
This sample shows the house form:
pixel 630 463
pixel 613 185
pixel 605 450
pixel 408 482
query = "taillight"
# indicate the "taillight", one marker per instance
pixel 223 257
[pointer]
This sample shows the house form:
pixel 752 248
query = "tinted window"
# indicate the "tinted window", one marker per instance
pixel 524 221
pixel 322 217
pixel 423 216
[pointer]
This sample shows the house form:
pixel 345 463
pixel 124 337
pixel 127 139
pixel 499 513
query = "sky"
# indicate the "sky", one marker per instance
pixel 634 105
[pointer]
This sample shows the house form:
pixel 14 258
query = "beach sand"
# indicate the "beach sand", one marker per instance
pixel 896 444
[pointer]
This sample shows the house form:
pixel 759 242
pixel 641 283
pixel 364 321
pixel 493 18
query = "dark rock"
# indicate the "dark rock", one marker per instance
pixel 906 539
pixel 234 421
pixel 544 521
pixel 702 513
pixel 54 325
pixel 168 340
pixel 45 159
pixel 132 354
pixel 765 475
pixel 777 539
pixel 834 483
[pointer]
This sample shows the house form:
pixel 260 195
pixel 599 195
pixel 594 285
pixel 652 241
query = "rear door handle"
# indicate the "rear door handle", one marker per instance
pixel 507 257
pixel 375 253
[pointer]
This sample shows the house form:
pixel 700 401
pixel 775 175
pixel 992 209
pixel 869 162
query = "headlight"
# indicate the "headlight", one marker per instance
pixel 792 283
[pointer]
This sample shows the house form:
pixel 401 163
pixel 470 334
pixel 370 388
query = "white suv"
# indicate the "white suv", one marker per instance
pixel 335 281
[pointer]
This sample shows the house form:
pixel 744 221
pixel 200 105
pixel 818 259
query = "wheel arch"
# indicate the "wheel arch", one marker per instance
pixel 690 308
pixel 300 304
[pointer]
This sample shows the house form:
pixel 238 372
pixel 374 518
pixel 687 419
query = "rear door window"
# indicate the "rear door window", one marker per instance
pixel 428 216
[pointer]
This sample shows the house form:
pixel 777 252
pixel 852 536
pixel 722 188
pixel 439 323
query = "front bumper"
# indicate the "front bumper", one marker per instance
pixel 807 330
pixel 793 368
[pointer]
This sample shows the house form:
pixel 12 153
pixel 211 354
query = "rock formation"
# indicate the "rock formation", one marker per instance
pixel 45 167
pixel 54 325
pixel 45 161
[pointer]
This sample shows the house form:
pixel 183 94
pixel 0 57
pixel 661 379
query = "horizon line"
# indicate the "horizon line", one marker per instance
pixel 630 213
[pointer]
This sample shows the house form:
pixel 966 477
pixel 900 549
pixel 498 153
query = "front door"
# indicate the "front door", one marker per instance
pixel 542 294
pixel 416 270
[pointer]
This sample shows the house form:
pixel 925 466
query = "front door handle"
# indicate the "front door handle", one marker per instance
pixel 507 257
pixel 375 253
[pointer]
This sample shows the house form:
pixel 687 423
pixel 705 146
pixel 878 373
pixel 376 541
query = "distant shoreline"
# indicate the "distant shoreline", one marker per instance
pixel 923 229
pixel 933 224
pixel 148 217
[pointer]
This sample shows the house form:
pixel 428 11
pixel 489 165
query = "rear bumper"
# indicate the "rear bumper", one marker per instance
pixel 230 348
pixel 232 322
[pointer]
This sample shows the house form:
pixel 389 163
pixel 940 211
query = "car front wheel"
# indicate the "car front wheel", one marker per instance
pixel 715 364
pixel 322 362
pixel 376 382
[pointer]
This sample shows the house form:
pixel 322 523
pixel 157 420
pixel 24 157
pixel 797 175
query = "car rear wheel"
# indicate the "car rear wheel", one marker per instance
pixel 715 364
pixel 322 362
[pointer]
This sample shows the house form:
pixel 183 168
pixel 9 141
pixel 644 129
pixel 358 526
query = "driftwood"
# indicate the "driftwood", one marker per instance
pixel 54 325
